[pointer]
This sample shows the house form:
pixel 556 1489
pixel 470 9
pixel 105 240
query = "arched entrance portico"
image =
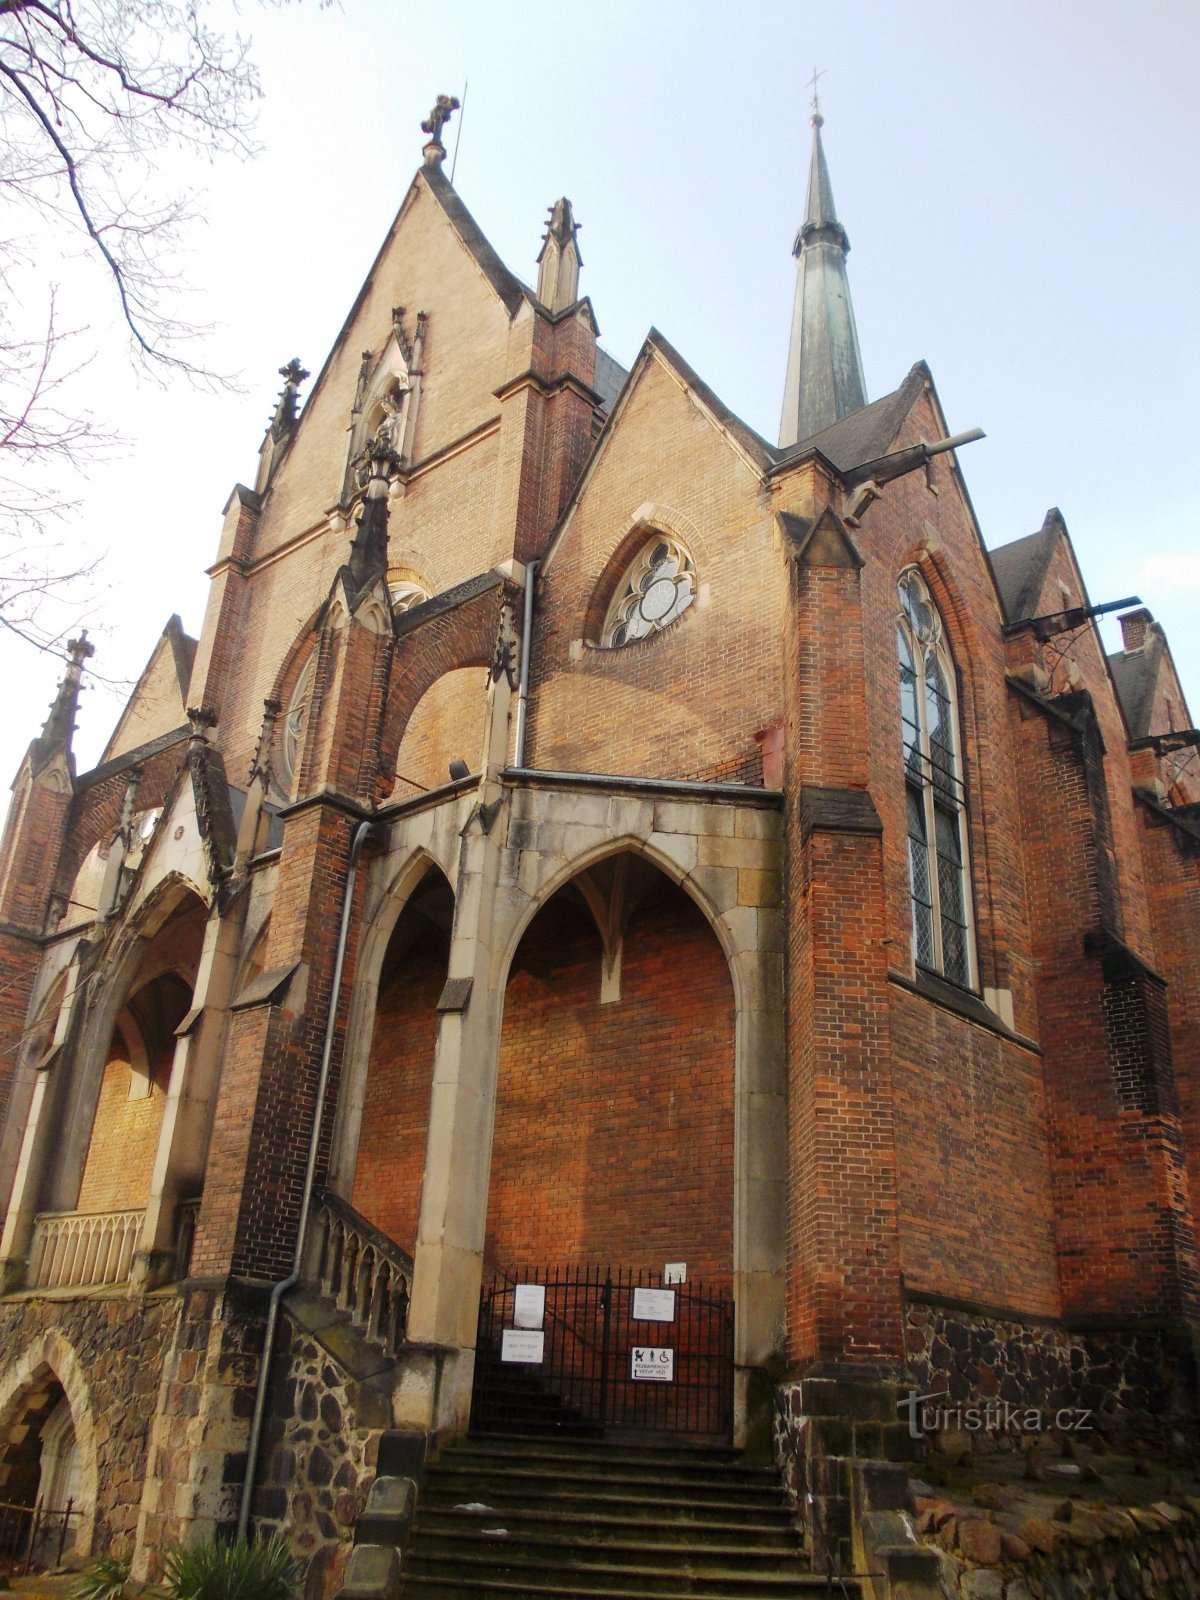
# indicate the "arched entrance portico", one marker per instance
pixel 613 1134
pixel 612 1167
pixel 721 854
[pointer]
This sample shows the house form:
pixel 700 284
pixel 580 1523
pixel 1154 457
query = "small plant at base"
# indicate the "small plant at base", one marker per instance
pixel 107 1578
pixel 262 1569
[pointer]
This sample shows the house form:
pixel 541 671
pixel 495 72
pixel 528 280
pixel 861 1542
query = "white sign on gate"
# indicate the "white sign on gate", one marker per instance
pixel 654 1305
pixel 529 1305
pixel 522 1344
pixel 650 1365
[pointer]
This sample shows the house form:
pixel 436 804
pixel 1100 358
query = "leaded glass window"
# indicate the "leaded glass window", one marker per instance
pixel 290 741
pixel 934 792
pixel 657 589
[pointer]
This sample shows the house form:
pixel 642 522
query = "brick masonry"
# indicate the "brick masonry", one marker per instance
pixel 768 1088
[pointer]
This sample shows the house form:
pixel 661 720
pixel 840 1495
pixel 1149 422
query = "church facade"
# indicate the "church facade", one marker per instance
pixel 588 836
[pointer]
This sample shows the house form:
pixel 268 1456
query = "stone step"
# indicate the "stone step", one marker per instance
pixel 521 1517
pixel 499 1574
pixel 564 1480
pixel 560 1551
pixel 510 1447
pixel 807 1586
pixel 676 1526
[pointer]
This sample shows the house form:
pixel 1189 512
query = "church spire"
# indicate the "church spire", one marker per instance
pixel 824 371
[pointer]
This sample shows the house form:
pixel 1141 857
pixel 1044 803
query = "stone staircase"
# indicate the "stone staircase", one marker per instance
pixel 530 1519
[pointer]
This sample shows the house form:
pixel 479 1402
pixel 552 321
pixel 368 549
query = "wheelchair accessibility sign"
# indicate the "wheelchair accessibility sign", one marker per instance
pixel 650 1365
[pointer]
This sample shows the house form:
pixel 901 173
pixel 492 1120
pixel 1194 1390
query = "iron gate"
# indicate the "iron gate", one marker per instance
pixel 585 1383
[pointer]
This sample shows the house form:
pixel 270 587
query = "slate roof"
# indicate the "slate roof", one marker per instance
pixel 1020 567
pixel 865 434
pixel 610 379
pixel 1135 673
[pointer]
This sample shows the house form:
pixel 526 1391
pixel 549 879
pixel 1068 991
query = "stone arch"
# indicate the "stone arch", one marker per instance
pixel 400 973
pixel 751 938
pixel 141 954
pixel 693 881
pixel 30 1389
pixel 615 1103
pixel 430 646
pixel 446 724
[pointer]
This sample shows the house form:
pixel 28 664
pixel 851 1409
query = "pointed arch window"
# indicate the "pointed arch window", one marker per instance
pixel 290 739
pixel 934 791
pixel 657 589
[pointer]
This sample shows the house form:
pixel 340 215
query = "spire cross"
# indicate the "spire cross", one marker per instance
pixel 817 119
pixel 439 116
pixel 79 650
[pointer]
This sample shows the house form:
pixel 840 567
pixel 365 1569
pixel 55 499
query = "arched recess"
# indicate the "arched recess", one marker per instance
pixel 384 1113
pixel 614 1131
pixel 47 1438
pixel 460 634
pixel 446 725
pixel 123 1064
pixel 641 526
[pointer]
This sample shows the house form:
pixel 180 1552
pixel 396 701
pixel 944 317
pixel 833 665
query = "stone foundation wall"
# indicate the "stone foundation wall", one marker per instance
pixel 319 1454
pixel 108 1353
pixel 198 1442
pixel 1105 1553
pixel 1141 1382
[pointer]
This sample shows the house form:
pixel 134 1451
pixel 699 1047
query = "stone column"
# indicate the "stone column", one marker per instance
pixel 448 1261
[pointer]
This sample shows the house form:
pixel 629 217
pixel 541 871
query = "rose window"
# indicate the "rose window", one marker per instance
pixel 658 588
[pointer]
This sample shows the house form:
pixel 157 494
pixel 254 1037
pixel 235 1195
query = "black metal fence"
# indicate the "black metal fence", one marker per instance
pixel 34 1535
pixel 620 1353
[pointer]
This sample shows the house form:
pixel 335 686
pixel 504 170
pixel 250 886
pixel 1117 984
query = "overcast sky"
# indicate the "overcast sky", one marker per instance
pixel 1018 181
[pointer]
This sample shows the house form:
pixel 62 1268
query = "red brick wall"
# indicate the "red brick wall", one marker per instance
pixel 391 1147
pixel 1114 1133
pixel 974 1178
pixel 1171 868
pixel 614 1123
pixel 447 724
pixel 124 1139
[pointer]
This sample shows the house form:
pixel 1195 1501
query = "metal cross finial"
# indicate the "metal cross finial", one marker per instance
pixel 439 116
pixel 816 119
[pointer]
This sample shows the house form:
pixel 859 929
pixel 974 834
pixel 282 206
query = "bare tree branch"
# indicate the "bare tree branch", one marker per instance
pixel 92 92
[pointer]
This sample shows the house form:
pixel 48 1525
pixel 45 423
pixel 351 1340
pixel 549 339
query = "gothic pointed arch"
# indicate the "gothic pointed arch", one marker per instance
pixel 615 1095
pixel 934 787
pixel 382 1119
pixel 48 1435
pixel 114 1097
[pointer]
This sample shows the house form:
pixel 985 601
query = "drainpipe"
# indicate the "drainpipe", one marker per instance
pixel 361 834
pixel 531 572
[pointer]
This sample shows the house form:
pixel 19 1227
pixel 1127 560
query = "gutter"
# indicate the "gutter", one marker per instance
pixel 359 839
pixel 531 572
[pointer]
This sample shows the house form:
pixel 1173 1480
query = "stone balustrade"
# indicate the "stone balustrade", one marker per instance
pixel 83 1249
pixel 363 1272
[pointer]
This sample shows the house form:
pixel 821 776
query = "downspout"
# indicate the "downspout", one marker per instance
pixel 531 572
pixel 281 1288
